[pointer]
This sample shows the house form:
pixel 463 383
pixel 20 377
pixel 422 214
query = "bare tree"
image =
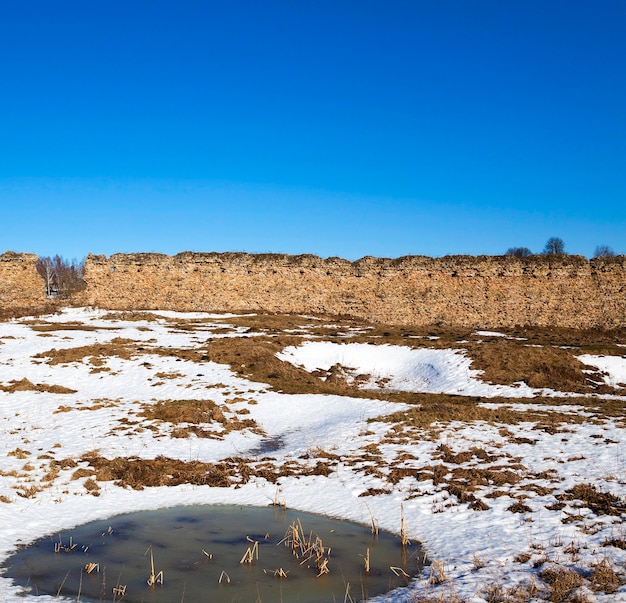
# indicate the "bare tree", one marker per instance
pixel 61 278
pixel 519 252
pixel 603 251
pixel 45 268
pixel 554 246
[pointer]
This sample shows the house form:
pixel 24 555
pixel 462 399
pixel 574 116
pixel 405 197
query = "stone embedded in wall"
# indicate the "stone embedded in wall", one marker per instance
pixel 485 291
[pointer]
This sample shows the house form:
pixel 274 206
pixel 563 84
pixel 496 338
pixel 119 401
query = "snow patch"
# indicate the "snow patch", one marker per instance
pixel 614 368
pixel 401 368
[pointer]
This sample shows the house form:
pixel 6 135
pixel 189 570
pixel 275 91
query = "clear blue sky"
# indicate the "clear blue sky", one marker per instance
pixel 330 127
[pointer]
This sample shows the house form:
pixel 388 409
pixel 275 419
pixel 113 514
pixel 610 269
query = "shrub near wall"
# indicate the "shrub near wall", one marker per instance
pixel 468 291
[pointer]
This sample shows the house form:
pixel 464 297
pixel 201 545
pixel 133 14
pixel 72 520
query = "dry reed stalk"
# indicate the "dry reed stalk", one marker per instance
pixel 347 598
pixel 58 546
pixel 403 535
pixel 278 503
pixel 321 566
pixel 154 578
pixel 251 552
pixel 294 538
pixel 223 576
pixel 437 572
pixel 90 567
pixel 366 559
pixel 278 573
pixel 307 548
pixel 373 522
pixel 316 550
pixel 477 562
pixel 119 590
pixel 398 571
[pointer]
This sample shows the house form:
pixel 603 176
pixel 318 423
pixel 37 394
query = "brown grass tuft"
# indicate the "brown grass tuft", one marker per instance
pixel 519 506
pixel 192 414
pixel 92 487
pixel 38 310
pixel 24 385
pixel 123 348
pixel 184 411
pixel 138 473
pixel 19 453
pixel 508 361
pixel 604 578
pixel 561 582
pixel 601 503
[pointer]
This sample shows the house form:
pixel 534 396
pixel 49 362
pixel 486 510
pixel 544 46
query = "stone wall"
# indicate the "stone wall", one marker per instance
pixel 21 287
pixel 486 291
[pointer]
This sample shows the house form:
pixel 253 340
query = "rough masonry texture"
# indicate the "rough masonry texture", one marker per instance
pixel 20 283
pixel 468 291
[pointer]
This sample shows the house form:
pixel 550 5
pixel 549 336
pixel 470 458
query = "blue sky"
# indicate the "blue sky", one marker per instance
pixel 338 128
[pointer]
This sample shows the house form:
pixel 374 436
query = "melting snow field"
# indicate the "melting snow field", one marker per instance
pixel 521 516
pixel 400 368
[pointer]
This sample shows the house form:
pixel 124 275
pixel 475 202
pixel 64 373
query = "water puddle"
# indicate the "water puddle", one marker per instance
pixel 215 553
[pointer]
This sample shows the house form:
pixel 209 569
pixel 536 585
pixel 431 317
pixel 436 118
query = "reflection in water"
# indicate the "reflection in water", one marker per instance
pixel 200 550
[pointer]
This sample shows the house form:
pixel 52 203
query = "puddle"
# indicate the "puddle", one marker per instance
pixel 267 446
pixel 196 547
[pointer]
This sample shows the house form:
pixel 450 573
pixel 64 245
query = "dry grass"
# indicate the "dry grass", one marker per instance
pixel 41 309
pixel 138 473
pixel 184 411
pixel 561 581
pixel 255 358
pixel 28 491
pixel 123 348
pixel 430 410
pixel 519 506
pixel 193 413
pixel 133 315
pixel 619 542
pixel 604 577
pixel 19 453
pixel 506 361
pixel 92 487
pixel 51 327
pixel 272 323
pixel 162 375
pixel 599 339
pixel 601 503
pixel 24 385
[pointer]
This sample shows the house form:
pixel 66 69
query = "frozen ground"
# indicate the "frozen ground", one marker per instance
pixel 523 513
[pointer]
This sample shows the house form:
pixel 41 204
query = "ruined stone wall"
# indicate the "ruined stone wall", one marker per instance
pixel 487 291
pixel 20 284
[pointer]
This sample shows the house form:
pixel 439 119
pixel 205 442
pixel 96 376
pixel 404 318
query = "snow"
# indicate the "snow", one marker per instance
pixel 60 426
pixel 490 334
pixel 403 369
pixel 498 334
pixel 613 366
